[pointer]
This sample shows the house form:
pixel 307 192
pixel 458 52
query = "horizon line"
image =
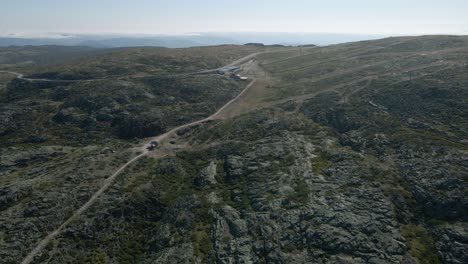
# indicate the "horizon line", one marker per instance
pixel 63 35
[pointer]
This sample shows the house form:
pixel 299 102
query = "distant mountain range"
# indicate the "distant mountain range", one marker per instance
pixel 182 41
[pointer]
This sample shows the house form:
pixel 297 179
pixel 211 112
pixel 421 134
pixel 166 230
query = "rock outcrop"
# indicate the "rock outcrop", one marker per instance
pixel 206 176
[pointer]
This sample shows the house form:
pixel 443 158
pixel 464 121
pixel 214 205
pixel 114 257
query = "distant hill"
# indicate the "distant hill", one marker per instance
pixel 184 41
pixel 48 54
pixel 121 41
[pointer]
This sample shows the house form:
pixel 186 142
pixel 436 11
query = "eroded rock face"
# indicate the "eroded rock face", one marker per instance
pixel 234 167
pixel 289 197
pixel 341 218
pixel 435 176
pixel 206 176
pixel 452 242
pixel 232 245
pixel 12 194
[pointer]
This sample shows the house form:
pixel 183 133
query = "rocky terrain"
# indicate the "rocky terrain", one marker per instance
pixel 352 153
pixel 122 106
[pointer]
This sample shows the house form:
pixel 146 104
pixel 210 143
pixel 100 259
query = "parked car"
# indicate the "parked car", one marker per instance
pixel 152 145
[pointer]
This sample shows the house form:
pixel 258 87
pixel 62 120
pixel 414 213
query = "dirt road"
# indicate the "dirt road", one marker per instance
pixel 21 77
pixel 234 63
pixel 214 116
pixel 109 181
pixel 18 75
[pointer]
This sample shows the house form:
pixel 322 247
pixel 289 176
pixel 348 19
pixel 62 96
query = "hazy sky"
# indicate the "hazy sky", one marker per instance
pixel 392 17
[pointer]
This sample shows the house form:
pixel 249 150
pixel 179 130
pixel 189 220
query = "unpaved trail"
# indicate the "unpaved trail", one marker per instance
pixel 345 96
pixel 234 63
pixel 21 77
pixel 109 181
pixel 251 98
pixel 18 75
pixel 214 116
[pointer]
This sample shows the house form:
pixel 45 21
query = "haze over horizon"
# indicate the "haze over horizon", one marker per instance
pixel 51 18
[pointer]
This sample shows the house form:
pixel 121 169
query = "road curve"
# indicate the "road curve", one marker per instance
pixel 21 77
pixel 18 75
pixel 109 181
pixel 234 63
pixel 211 117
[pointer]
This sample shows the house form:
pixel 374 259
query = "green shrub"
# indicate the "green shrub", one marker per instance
pixel 201 241
pixel 320 164
pixel 97 257
pixel 420 243
pixel 301 192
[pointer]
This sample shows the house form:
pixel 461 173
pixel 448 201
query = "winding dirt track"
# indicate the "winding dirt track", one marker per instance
pixel 234 63
pixel 214 116
pixel 18 75
pixel 21 77
pixel 109 181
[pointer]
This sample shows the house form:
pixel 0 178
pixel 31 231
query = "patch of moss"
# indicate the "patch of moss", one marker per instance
pixel 465 178
pixel 439 222
pixel 201 240
pixel 242 204
pixel 320 164
pixel 288 160
pixel 420 243
pixel 175 175
pixel 46 185
pixel 133 249
pixel 301 192
pixel 348 186
pixel 140 174
pixel 97 257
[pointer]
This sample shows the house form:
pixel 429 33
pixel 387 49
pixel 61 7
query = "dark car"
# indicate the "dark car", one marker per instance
pixel 152 145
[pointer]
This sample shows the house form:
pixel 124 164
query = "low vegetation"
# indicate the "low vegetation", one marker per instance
pixel 420 243
pixel 357 152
